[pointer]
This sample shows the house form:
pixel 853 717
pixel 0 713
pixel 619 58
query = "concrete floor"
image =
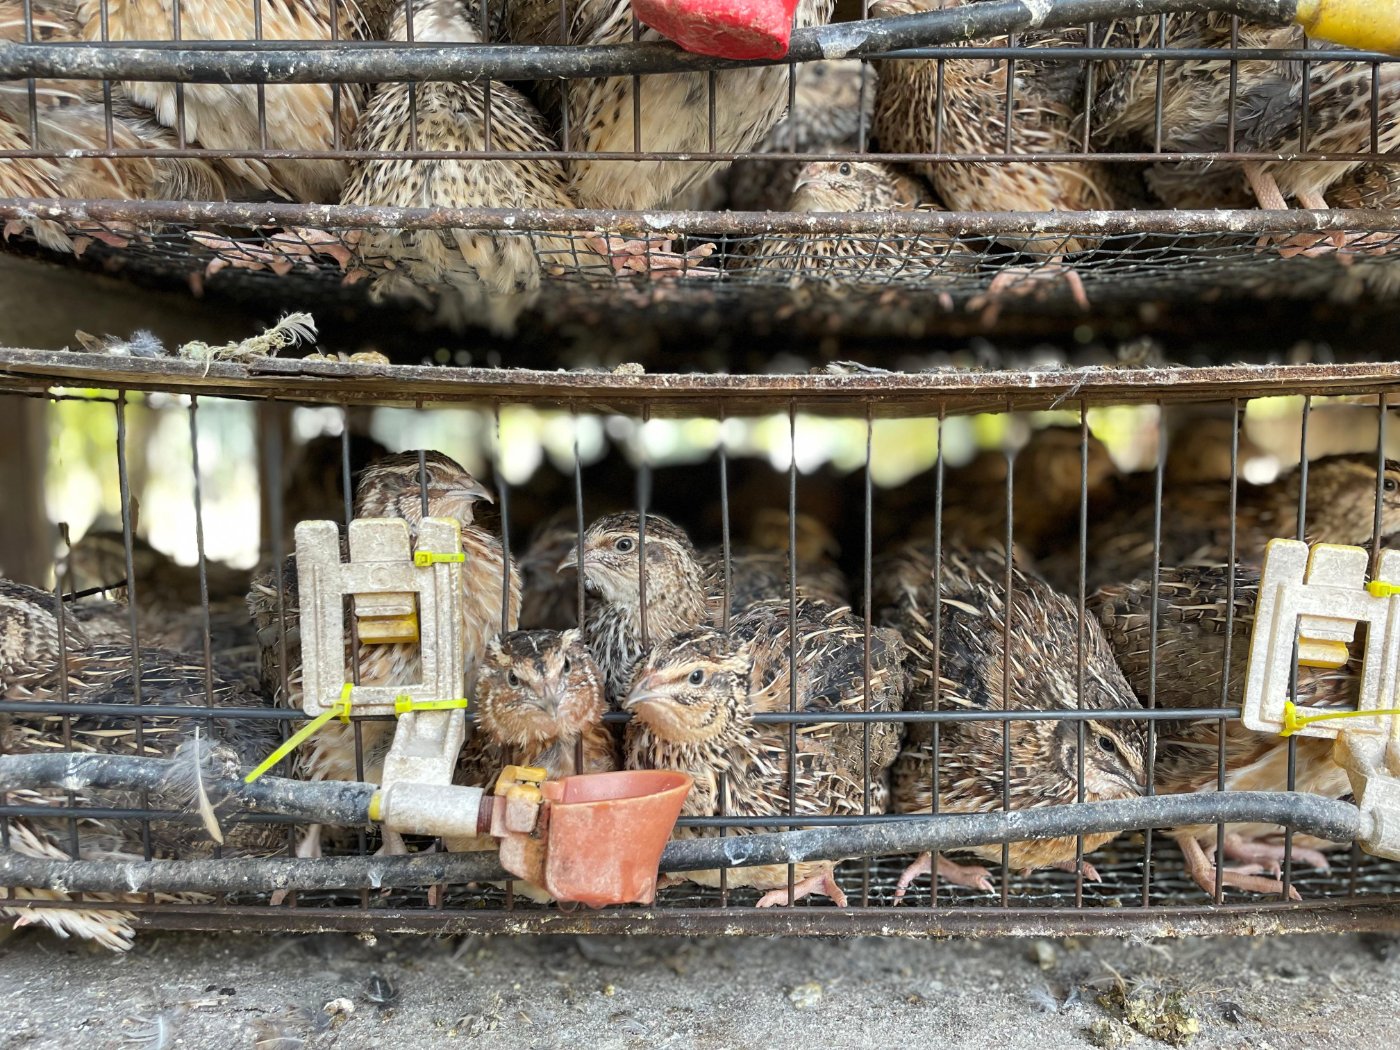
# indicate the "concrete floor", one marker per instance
pixel 284 993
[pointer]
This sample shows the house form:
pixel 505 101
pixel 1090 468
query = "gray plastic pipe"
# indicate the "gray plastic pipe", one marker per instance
pixel 1311 814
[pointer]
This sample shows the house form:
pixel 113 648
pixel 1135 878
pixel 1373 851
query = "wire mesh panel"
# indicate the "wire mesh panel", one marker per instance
pixel 1045 166
pixel 953 593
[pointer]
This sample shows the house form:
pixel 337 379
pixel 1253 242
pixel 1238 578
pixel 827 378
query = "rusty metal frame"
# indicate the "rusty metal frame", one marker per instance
pixel 886 393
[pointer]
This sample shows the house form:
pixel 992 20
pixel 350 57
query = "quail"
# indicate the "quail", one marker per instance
pixel 1196 519
pixel 475 277
pixel 674 108
pixel 865 186
pixel 1045 492
pixel 832 103
pixel 961 106
pixel 981 636
pixel 169 598
pixel 539 702
pixel 693 702
pixel 1280 107
pixel 684 589
pixel 42 662
pixel 234 116
pixel 1196 621
pixel 388 488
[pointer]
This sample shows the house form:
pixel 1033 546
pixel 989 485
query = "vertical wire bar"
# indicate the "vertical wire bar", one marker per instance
pixel 727 552
pixel 1230 561
pixel 578 533
pixel 1158 474
pixel 203 564
pixel 1161 86
pixel 503 494
pixel 1382 416
pixel 1303 132
pixel 1293 669
pixel 60 574
pixel 31 84
pixel 792 631
pixel 1230 114
pixel 1006 671
pixel 725 547
pixel 710 109
pixel 1079 632
pixel 361 835
pixel 181 137
pixel 336 143
pixel 643 497
pixel 410 35
pixel 1008 115
pixel 1375 108
pixel 867 575
pixel 862 128
pixel 199 547
pixel 937 637
pixel 132 604
pixel 1091 70
pixel 938 110
pixel 260 87
pixel 270 446
pixel 486 81
pixel 565 97
pixel 636 93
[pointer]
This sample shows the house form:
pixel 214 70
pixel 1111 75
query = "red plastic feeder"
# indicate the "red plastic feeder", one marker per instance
pixel 724 28
pixel 599 836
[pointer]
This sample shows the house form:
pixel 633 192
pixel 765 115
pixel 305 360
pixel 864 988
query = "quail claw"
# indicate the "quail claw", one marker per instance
pixel 973 876
pixel 823 882
pixel 1203 871
pixel 1270 854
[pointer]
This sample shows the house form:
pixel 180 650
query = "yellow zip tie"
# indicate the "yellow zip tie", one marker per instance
pixel 1292 721
pixel 403 703
pixel 340 708
pixel 427 559
pixel 1381 589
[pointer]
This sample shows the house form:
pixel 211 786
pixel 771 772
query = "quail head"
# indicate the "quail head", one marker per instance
pixel 539 702
pixel 971 648
pixel 620 624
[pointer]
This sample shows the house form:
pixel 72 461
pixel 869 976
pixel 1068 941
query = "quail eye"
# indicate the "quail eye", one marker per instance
pixel 697 677
pixel 1391 484
pixel 1105 744
pixel 512 679
pixel 625 544
pixel 566 665
pixel 844 169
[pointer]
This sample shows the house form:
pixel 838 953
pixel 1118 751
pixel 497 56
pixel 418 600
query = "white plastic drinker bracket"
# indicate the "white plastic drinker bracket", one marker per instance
pixel 1310 603
pixel 387 587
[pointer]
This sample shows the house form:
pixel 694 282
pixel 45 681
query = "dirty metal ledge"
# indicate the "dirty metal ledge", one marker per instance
pixel 1375 915
pixel 884 394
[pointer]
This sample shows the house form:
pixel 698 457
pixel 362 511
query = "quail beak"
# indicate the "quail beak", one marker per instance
pixel 475 490
pixel 548 701
pixel 570 560
pixel 644 692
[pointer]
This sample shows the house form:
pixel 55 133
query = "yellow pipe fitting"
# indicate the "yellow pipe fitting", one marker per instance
pixel 1367 25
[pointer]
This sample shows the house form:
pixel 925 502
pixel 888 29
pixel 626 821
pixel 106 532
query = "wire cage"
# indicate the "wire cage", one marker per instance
pixel 1042 162
pixel 716 454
